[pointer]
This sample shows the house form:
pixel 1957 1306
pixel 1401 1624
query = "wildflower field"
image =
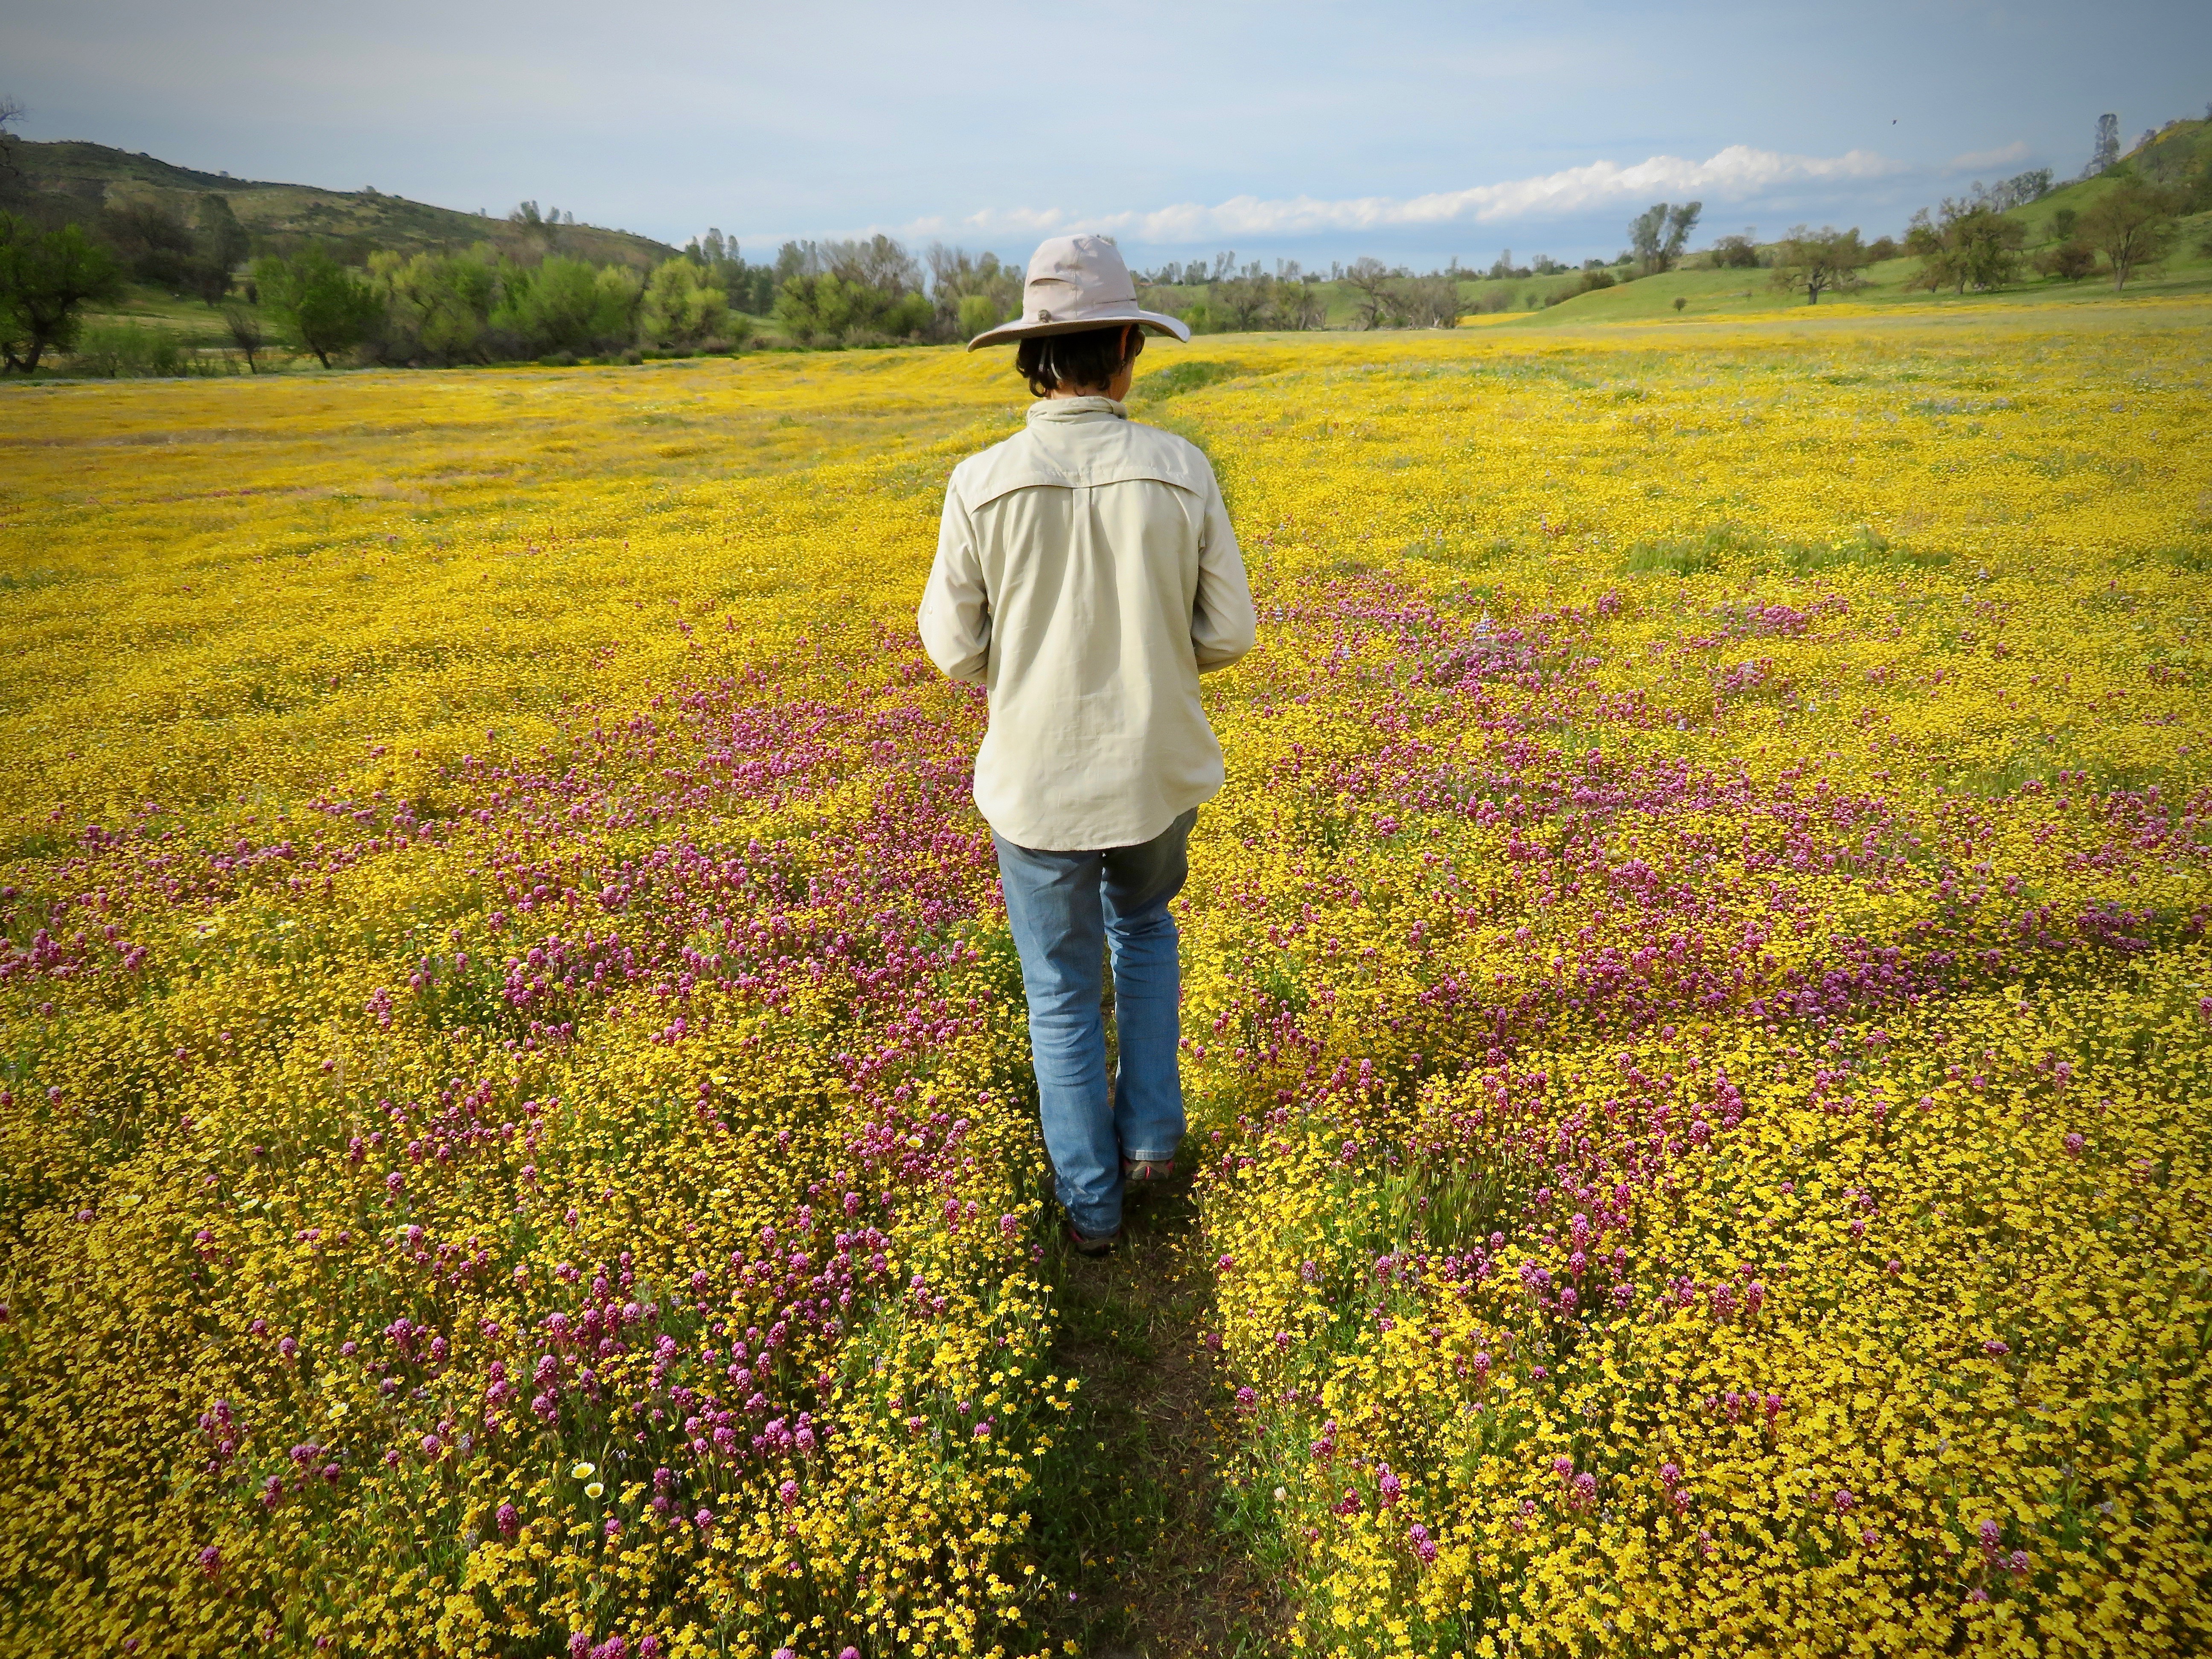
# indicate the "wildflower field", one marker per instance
pixel 515 1134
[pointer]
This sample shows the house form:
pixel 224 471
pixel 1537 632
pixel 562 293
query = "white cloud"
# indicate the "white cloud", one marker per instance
pixel 1738 174
pixel 1976 160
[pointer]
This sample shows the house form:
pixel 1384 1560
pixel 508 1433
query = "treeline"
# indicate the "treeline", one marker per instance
pixel 1234 297
pixel 485 304
pixel 1223 295
pixel 527 297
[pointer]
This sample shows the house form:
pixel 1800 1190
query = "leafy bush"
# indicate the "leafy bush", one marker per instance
pixel 682 307
pixel 110 350
pixel 437 308
pixel 827 309
pixel 566 305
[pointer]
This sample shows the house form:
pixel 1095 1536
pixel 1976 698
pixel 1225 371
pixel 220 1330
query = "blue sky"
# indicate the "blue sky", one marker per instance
pixel 1315 131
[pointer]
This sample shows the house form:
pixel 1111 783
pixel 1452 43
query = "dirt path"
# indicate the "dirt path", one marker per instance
pixel 1148 1544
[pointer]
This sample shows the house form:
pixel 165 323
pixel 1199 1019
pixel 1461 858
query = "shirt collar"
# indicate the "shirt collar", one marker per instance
pixel 1078 409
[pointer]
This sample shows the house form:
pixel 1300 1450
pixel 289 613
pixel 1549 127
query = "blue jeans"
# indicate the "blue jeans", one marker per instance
pixel 1064 907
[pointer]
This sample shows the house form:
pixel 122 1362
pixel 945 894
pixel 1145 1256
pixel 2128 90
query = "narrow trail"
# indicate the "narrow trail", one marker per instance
pixel 1148 1542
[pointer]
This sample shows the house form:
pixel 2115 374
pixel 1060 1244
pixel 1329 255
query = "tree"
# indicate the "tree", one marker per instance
pixel 325 306
pixel 2063 222
pixel 11 114
pixel 47 279
pixel 2131 225
pixel 2016 191
pixel 1298 304
pixel 1964 245
pixel 852 293
pixel 827 309
pixel 682 307
pixel 970 292
pixel 1659 234
pixel 1432 302
pixel 154 241
pixel 245 333
pixel 978 313
pixel 437 307
pixel 2070 259
pixel 1240 303
pixel 1818 260
pixel 879 261
pixel 566 306
pixel 222 248
pixel 1371 279
pixel 798 259
pixel 2107 149
pixel 1737 252
pixel 750 288
pixel 536 230
pixel 818 308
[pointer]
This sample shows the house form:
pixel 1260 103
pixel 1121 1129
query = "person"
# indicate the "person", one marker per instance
pixel 1085 577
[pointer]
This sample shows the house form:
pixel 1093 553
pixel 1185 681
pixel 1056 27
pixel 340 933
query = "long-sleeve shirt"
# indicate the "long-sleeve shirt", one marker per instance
pixel 1085 577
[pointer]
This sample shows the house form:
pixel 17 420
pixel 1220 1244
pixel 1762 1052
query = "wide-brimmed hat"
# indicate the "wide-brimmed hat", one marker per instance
pixel 1076 282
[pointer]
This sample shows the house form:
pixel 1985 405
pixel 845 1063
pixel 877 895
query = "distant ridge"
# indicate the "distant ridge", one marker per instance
pixel 91 177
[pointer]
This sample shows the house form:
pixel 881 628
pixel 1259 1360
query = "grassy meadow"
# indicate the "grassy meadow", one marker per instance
pixel 515 1131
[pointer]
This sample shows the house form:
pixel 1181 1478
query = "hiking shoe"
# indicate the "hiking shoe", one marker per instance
pixel 1147 1171
pixel 1085 1244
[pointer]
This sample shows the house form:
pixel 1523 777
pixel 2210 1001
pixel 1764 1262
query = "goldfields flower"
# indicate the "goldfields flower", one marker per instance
pixel 1696 1004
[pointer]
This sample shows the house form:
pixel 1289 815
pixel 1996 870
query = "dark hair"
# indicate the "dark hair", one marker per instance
pixel 1082 357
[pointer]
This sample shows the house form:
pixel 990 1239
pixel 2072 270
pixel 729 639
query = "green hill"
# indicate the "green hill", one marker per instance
pixel 82 180
pixel 2172 158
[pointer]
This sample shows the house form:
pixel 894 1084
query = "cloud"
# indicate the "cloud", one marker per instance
pixel 1738 174
pixel 1975 161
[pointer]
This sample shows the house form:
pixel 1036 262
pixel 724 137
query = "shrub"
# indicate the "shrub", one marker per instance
pixel 120 349
pixel 2072 260
pixel 682 307
pixel 565 304
pixel 979 312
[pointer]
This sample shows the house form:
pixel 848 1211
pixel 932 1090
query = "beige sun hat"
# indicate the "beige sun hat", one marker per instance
pixel 1075 283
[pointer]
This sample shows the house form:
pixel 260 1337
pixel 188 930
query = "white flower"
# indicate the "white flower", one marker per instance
pixel 583 1472
pixel 593 1489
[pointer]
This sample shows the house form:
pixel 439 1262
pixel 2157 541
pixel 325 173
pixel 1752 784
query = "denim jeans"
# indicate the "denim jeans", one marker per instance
pixel 1064 907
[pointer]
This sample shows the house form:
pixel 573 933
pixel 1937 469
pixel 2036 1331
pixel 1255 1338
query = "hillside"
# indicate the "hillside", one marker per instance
pixel 91 177
pixel 2168 158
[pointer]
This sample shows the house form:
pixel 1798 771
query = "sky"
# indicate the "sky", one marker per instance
pixel 1314 131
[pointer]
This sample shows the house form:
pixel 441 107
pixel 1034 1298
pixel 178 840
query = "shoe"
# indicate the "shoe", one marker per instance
pixel 1149 1171
pixel 1085 1244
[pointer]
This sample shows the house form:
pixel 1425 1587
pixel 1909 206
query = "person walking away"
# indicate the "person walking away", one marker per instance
pixel 1085 577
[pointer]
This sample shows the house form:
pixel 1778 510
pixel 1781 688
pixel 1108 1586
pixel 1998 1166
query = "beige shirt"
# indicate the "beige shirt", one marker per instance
pixel 1086 575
